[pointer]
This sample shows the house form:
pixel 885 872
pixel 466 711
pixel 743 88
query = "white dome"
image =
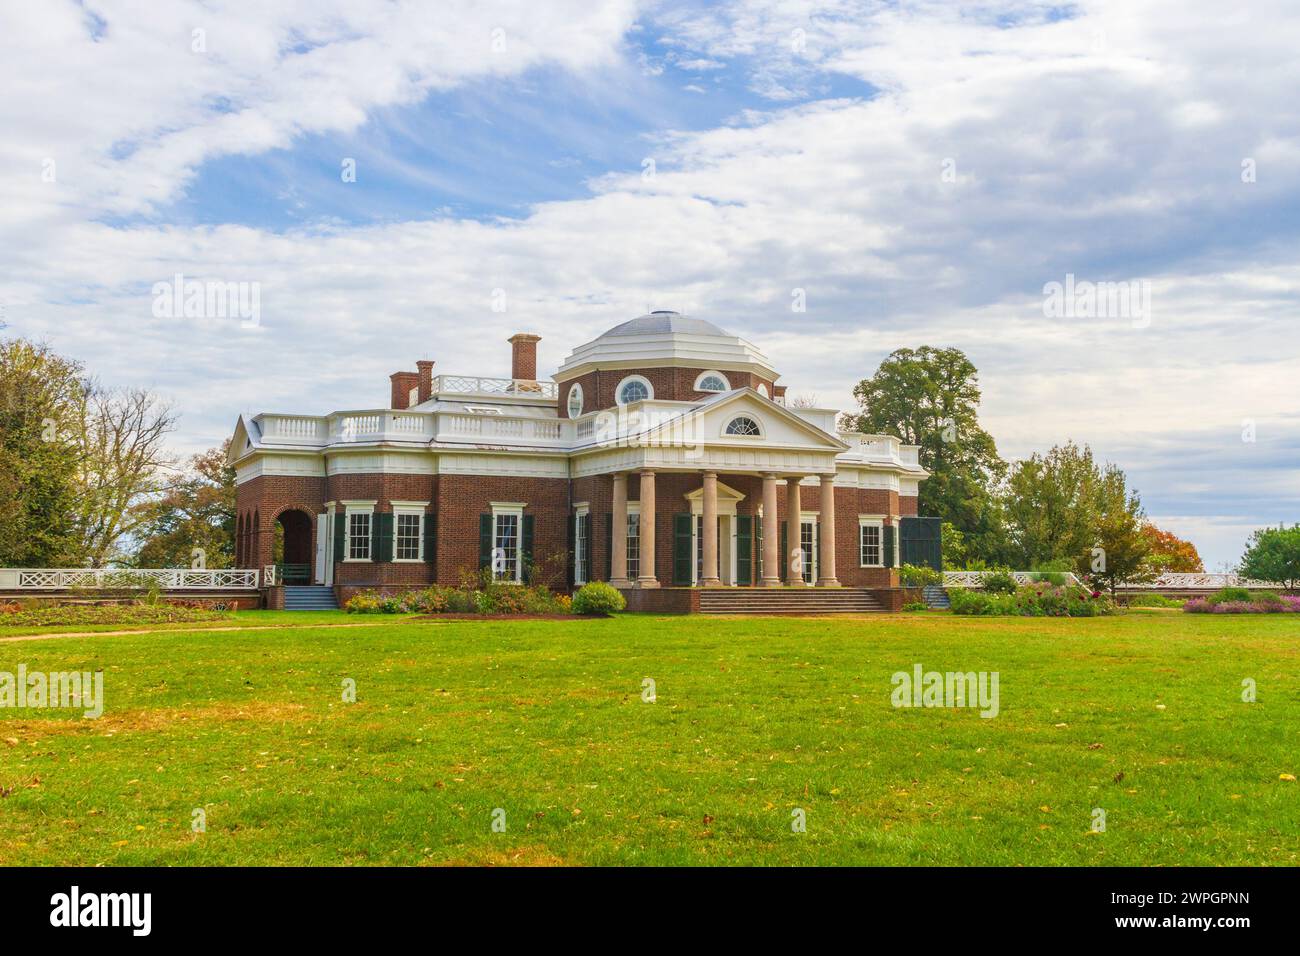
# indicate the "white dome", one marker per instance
pixel 666 339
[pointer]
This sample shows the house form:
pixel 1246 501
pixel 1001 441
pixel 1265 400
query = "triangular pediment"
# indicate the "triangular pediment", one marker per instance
pixel 708 421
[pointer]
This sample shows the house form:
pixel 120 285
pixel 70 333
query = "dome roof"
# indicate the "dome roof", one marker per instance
pixel 666 339
pixel 661 322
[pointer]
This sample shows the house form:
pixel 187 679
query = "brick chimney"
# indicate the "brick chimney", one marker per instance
pixel 778 394
pixel 402 383
pixel 424 378
pixel 523 355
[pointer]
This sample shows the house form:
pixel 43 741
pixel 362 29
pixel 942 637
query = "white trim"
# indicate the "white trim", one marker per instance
pixel 580 511
pixel 871 521
pixel 351 508
pixel 726 382
pixel 504 508
pixel 507 505
pixel 618 390
pixel 727 423
pixel 409 508
pixel 574 390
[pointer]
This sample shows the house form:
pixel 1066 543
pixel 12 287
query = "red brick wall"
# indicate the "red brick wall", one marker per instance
pixel 261 500
pixel 461 499
pixel 669 384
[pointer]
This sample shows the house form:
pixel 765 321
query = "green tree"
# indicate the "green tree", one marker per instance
pixel 1273 554
pixel 930 397
pixel 1123 549
pixel 196 511
pixel 41 394
pixel 1050 503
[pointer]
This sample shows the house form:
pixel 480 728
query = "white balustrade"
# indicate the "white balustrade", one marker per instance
pixel 169 579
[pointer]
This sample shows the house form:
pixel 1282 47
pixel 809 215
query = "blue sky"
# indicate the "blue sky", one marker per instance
pixel 920 171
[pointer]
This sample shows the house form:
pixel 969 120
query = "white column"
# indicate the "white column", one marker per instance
pixel 794 534
pixel 771 535
pixel 826 544
pixel 646 578
pixel 618 534
pixel 709 573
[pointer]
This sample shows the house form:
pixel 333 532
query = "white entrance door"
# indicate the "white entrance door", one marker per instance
pixel 808 541
pixel 322 550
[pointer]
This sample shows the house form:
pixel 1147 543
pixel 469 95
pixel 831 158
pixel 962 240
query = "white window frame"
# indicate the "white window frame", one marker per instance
pixel 713 391
pixel 504 509
pixel 618 392
pixel 581 545
pixel 575 390
pixel 811 563
pixel 871 521
pixel 633 539
pixel 351 508
pixel 762 431
pixel 409 508
pixel 762 390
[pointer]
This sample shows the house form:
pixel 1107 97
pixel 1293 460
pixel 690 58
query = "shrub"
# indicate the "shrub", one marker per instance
pixel 371 602
pixel 1032 600
pixel 1153 600
pixel 1260 604
pixel 916 606
pixel 45 614
pixel 1236 595
pixel 1000 581
pixel 1057 578
pixel 597 598
pixel 918 576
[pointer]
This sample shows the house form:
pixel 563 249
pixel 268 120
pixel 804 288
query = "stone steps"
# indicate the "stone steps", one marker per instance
pixel 788 601
pixel 315 597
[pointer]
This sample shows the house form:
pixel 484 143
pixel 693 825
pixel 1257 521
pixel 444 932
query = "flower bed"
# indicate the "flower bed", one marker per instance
pixel 491 598
pixel 45 615
pixel 1041 599
pixel 1241 601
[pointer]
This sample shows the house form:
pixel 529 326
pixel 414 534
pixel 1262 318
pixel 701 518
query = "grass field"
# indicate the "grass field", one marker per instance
pixel 1140 715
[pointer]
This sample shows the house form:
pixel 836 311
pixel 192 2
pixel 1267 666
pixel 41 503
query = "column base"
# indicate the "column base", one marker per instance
pixel 828 583
pixel 620 582
pixel 647 583
pixel 711 582
pixel 771 583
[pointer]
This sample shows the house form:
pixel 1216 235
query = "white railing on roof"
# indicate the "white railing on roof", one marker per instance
pixel 294 429
pixel 169 579
pixel 975 579
pixel 479 385
pixel 502 426
pixel 381 426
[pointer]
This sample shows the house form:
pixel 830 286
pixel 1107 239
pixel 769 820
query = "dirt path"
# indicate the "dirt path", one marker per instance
pixel 189 630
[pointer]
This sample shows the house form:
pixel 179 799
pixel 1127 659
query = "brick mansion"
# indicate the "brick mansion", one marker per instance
pixel 661 457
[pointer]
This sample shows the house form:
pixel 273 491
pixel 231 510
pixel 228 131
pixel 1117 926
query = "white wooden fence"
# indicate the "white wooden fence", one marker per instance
pixel 169 579
pixel 1166 582
pixel 975 579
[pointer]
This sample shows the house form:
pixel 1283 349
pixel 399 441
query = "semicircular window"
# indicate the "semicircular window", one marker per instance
pixel 712 383
pixel 633 390
pixel 744 426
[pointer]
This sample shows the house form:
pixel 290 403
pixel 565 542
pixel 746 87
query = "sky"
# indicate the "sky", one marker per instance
pixel 831 181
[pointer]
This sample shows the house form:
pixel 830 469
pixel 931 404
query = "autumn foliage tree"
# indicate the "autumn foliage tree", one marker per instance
pixel 1171 554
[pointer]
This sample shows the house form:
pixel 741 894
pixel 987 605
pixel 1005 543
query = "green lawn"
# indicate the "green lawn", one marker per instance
pixel 1140 715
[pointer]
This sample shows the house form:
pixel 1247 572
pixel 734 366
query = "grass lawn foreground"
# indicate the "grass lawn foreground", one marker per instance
pixel 1140 715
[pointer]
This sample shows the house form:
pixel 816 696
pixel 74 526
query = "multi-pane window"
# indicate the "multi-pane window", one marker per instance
pixel 711 382
pixel 359 536
pixel 633 545
pixel 505 538
pixel 575 401
pixel 633 390
pixel 407 538
pixel 808 541
pixel 744 426
pixel 580 545
pixel 871 545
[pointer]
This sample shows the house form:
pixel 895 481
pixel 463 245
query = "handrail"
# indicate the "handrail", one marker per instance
pixel 169 579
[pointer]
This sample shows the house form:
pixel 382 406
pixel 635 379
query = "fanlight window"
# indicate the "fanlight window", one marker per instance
pixel 633 390
pixel 744 426
pixel 575 401
pixel 712 382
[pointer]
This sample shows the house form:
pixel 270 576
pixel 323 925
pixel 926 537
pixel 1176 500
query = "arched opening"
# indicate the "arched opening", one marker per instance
pixel 292 551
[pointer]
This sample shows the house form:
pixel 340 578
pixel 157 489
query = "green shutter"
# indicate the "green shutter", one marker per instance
pixel 340 534
pixel 381 536
pixel 609 546
pixel 887 543
pixel 744 550
pixel 430 538
pixel 526 546
pixel 682 557
pixel 484 541
pixel 571 546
